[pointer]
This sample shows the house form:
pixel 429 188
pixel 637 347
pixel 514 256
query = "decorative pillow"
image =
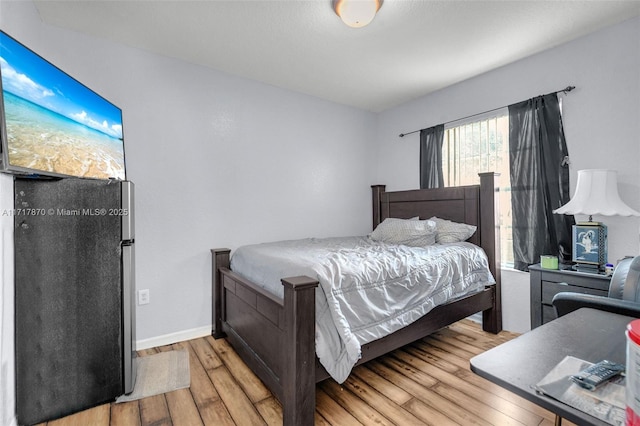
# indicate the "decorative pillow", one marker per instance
pixel 452 232
pixel 410 232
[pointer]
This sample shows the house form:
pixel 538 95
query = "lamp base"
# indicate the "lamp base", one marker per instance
pixel 590 245
pixel 588 268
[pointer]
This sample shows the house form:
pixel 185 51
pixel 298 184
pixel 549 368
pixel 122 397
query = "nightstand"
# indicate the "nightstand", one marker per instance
pixel 545 283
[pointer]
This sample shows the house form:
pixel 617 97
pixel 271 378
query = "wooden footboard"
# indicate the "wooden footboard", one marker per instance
pixel 275 336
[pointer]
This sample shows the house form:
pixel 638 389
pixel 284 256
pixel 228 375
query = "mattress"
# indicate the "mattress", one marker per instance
pixel 367 289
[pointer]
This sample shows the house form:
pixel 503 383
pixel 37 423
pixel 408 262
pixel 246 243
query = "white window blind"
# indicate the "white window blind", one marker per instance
pixel 481 144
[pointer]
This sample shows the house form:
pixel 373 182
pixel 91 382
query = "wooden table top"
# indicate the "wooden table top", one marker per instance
pixel 519 364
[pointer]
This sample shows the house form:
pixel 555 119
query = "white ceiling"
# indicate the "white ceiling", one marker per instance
pixel 411 48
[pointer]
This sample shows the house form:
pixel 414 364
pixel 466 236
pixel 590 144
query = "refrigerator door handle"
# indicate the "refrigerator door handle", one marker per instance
pixel 126 212
pixel 128 316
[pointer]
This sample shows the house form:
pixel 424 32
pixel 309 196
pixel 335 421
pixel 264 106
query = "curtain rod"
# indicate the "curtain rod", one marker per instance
pixel 565 91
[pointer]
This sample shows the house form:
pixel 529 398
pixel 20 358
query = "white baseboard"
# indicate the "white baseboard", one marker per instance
pixel 171 338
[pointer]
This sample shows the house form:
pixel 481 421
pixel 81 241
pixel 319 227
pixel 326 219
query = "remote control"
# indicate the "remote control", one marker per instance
pixel 597 374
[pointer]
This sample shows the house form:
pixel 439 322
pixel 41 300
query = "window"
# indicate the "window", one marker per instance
pixel 481 144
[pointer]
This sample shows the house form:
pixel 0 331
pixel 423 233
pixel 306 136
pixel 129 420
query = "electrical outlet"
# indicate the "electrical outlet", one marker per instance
pixel 143 297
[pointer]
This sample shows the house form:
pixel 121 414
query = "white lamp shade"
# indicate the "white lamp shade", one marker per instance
pixel 597 193
pixel 356 13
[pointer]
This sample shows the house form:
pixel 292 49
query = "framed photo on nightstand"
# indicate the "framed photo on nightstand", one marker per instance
pixel 590 244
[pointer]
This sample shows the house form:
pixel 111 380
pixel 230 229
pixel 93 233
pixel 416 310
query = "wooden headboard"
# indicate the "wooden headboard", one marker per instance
pixel 475 205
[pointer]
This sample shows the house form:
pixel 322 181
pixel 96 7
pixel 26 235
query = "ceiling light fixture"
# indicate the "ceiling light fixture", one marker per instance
pixel 356 13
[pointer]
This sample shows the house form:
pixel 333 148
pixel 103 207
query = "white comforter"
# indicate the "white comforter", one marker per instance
pixel 367 289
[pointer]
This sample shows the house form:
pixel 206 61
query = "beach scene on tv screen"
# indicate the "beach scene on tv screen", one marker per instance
pixel 54 124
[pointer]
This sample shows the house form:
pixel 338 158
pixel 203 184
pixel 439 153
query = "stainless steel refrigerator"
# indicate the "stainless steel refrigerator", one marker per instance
pixel 74 287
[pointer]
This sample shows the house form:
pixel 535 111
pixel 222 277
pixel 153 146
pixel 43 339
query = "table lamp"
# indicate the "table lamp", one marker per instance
pixel 596 193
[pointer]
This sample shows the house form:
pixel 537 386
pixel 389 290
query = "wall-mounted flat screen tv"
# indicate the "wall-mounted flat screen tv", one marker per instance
pixel 53 125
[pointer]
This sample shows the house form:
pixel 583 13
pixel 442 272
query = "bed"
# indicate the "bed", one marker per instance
pixel 275 336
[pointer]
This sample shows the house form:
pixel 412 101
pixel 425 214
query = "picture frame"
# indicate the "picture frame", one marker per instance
pixel 590 244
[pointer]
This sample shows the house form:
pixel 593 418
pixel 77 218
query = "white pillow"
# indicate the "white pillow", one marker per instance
pixel 452 232
pixel 415 233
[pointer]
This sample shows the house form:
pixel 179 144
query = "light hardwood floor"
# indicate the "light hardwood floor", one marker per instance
pixel 427 382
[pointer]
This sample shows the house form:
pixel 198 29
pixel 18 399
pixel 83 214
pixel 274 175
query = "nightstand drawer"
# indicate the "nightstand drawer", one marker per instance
pixel 550 289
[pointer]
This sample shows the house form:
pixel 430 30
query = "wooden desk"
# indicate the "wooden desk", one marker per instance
pixel 519 364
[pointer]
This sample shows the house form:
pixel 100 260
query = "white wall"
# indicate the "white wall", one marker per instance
pixel 217 161
pixel 7 359
pixel 601 122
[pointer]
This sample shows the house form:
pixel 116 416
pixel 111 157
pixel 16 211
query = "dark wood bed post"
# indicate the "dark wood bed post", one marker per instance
pixel 376 194
pixel 220 260
pixel 490 226
pixel 298 384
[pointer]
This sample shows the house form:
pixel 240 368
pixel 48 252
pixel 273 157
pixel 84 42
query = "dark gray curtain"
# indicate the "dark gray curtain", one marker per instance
pixel 431 157
pixel 539 180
